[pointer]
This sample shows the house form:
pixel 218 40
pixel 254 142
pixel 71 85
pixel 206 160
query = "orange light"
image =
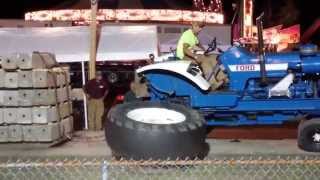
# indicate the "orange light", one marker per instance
pixel 165 15
pixel 247 18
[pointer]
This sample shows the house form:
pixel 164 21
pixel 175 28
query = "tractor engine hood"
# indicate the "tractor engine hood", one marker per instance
pixel 238 56
pixel 240 60
pixel 183 68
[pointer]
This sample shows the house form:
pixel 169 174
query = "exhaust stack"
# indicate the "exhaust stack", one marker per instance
pixel 262 60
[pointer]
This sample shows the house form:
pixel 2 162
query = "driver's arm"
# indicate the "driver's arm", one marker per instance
pixel 201 47
pixel 189 53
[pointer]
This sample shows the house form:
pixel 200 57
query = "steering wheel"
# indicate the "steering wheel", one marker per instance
pixel 211 46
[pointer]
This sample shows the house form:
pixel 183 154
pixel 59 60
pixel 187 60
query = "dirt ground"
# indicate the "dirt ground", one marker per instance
pixel 88 144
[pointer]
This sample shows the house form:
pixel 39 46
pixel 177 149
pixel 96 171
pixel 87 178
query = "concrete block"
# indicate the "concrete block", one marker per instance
pixel 2 79
pixel 42 78
pixel 67 126
pixel 29 133
pixel 9 63
pixel 48 133
pixel 64 109
pixel 61 129
pixel 15 133
pixel 2 93
pixel 62 94
pixel 42 60
pixel 10 98
pixel 11 80
pixel 3 133
pixel 10 115
pixel 61 79
pixel 23 60
pixel 24 116
pixel 44 115
pixel 25 79
pixel 1 117
pixel 69 92
pixel 26 97
pixel 44 97
pixel 70 107
pixel 63 75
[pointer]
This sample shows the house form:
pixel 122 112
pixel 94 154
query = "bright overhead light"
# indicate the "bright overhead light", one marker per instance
pixel 165 15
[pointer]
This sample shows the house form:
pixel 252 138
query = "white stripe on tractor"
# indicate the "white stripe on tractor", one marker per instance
pixel 256 67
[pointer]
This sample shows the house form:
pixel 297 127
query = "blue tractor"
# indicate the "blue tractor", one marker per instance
pixel 263 89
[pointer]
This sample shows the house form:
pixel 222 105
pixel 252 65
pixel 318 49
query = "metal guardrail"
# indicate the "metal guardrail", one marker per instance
pixel 222 167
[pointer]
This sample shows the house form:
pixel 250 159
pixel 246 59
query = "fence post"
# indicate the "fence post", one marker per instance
pixel 104 170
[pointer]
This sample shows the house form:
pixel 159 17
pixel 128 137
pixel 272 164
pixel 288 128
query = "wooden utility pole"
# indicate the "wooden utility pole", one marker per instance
pixel 93 39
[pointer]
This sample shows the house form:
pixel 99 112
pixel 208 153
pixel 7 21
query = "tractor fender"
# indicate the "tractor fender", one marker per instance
pixel 180 67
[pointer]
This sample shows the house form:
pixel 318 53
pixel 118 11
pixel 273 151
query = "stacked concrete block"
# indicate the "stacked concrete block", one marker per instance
pixel 66 126
pixel 24 116
pixel 48 132
pixel 1 98
pixel 43 60
pixel 23 61
pixel 15 133
pixel 42 133
pixel 62 94
pixel 2 73
pixel 62 76
pixel 29 134
pixel 26 97
pixel 43 97
pixel 45 115
pixel 25 79
pixel 11 79
pixel 10 98
pixel 1 117
pixel 9 63
pixel 64 109
pixel 10 115
pixel 3 134
pixel 43 78
pixel 35 102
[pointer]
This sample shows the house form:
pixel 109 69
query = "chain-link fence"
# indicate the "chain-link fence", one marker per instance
pixel 222 167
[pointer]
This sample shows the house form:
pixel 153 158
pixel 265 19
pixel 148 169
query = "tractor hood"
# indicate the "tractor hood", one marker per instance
pixel 241 56
pixel 242 65
pixel 183 68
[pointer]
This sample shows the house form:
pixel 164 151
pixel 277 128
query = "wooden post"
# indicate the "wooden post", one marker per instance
pixel 93 39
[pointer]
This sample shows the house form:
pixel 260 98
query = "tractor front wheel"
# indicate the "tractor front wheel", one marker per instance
pixel 154 130
pixel 309 135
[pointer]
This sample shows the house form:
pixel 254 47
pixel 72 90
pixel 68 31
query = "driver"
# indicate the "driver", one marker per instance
pixel 188 44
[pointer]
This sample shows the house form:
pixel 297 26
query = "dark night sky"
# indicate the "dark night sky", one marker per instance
pixel 285 12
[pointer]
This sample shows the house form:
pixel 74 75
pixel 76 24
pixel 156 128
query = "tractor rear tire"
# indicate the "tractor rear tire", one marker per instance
pixel 309 135
pixel 154 130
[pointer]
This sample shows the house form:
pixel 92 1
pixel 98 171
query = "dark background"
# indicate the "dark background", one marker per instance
pixel 286 12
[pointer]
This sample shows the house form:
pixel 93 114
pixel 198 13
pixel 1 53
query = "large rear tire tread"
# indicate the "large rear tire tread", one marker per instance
pixel 133 139
pixel 305 130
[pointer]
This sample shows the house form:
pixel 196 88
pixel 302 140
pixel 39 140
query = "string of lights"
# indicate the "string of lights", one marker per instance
pixel 213 6
pixel 164 15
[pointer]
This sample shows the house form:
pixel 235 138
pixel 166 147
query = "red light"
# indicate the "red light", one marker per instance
pixel 120 98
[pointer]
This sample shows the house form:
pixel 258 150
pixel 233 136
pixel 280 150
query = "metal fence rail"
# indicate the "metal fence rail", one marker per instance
pixel 222 167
